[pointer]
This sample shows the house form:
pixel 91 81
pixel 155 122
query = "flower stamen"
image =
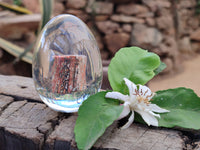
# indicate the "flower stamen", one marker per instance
pixel 145 92
pixel 141 92
pixel 140 99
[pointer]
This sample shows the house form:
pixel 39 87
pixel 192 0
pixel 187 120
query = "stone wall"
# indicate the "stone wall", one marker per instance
pixel 169 28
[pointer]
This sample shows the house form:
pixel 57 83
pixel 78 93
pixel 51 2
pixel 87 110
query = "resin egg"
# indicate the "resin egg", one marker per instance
pixel 67 65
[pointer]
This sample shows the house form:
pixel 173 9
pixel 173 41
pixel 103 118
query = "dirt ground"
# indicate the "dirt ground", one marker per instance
pixel 189 78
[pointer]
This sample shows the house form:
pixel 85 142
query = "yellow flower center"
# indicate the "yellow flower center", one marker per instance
pixel 140 99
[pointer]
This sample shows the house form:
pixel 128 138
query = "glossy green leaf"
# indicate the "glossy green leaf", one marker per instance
pixel 134 63
pixel 184 107
pixel 160 68
pixel 94 116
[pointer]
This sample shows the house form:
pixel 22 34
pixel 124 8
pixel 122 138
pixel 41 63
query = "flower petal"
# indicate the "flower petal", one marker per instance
pixel 145 91
pixel 156 108
pixel 148 118
pixel 130 121
pixel 125 111
pixel 131 86
pixel 152 113
pixel 117 95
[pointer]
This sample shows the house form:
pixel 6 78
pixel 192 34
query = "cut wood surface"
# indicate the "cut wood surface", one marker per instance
pixel 28 124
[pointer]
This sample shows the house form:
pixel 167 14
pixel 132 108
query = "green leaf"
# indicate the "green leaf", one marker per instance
pixel 160 68
pixel 27 50
pixel 184 107
pixel 17 2
pixel 15 8
pixel 15 50
pixel 46 10
pixel 46 7
pixel 134 63
pixel 94 116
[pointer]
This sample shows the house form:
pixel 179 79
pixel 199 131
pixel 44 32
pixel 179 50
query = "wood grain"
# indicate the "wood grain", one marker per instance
pixel 29 124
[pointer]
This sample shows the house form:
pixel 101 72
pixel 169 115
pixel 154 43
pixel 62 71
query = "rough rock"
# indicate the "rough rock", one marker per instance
pixel 101 8
pixel 193 22
pixel 126 19
pixel 127 28
pixel 107 27
pixel 145 15
pixel 7 1
pixel 99 41
pixel 104 55
pixel 170 46
pixel 195 35
pixel 184 45
pixel 187 4
pixel 150 22
pixel 15 27
pixel 58 8
pixel 169 64
pixel 33 6
pixel 145 36
pixel 79 13
pixel 131 9
pixel 76 4
pixel 162 50
pixel 101 17
pixel 162 12
pixel 183 16
pixel 195 46
pixel 165 22
pixel 115 41
pixel 157 4
pixel 30 37
pixel 96 34
pixel 120 1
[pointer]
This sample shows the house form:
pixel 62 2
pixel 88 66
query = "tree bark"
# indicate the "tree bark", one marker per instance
pixel 26 123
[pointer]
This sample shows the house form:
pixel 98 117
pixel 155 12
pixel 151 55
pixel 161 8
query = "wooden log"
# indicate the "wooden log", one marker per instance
pixel 29 124
pixel 19 87
pixel 69 73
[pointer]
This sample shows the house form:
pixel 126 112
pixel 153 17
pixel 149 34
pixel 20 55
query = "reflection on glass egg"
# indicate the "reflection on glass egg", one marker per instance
pixel 67 65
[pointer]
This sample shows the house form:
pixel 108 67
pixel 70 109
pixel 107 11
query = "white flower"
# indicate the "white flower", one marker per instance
pixel 138 100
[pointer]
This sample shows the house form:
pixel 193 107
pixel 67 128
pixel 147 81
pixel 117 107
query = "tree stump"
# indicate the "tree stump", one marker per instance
pixel 28 124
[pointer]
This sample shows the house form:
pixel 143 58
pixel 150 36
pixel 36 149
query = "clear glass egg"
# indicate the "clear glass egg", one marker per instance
pixel 67 65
